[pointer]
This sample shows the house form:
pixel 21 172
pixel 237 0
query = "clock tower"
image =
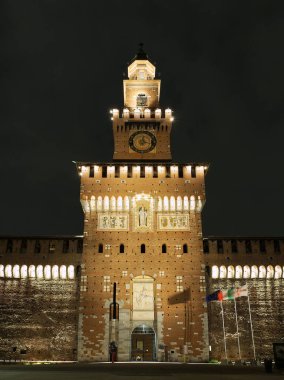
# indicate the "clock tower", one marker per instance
pixel 142 237
pixel 142 131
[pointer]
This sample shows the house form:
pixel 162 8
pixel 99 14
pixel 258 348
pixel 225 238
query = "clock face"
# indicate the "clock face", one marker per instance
pixel 142 141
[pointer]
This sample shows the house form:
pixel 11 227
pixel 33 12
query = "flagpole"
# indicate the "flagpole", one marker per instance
pixel 224 333
pixel 251 327
pixel 237 328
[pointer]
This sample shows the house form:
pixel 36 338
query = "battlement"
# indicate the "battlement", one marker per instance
pixel 142 113
pixel 134 170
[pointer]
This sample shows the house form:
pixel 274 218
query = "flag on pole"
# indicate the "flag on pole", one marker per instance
pixel 228 294
pixel 215 296
pixel 241 292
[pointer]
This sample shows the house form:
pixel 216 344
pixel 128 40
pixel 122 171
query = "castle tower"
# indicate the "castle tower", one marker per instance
pixel 143 233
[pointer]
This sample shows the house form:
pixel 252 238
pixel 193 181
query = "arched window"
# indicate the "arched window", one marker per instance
pixel 39 271
pixel 71 272
pixel 262 271
pixel 126 203
pixel 106 203
pixel 112 203
pixel 254 271
pixel 47 272
pixel 93 203
pixel 24 271
pixel 32 271
pixel 215 271
pixel 172 203
pixel 55 272
pixel 231 271
pixel 100 203
pixel 185 203
pixel 121 248
pixel 143 248
pixel 164 248
pixel 246 271
pixel 2 271
pixel 63 272
pixel 239 271
pixel 101 248
pixel 270 271
pixel 185 248
pixel 192 202
pixel 166 203
pixel 8 271
pixel 223 271
pixel 278 271
pixel 119 203
pixel 179 203
pixel 16 271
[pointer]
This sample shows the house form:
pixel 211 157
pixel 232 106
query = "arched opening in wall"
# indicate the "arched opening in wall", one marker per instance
pixel 32 273
pixel 262 271
pixel 185 248
pixel 143 346
pixel 231 271
pixel 71 272
pixel 246 272
pixel 143 248
pixel 16 271
pixel 239 271
pixel 101 248
pixel 8 271
pixel 2 274
pixel 24 271
pixel 121 248
pixel 63 272
pixel 278 271
pixel 164 248
pixel 47 272
pixel 39 271
pixel 254 271
pixel 55 272
pixel 270 271
pixel 223 271
pixel 215 271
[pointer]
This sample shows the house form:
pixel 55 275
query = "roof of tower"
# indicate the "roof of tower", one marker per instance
pixel 141 54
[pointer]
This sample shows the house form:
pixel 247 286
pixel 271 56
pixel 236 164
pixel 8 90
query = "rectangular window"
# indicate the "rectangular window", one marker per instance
pixel 142 172
pixel 220 248
pixel 262 246
pixel 234 246
pixel 155 171
pixel 248 246
pixel 116 171
pixel 193 172
pixel 168 171
pixel 9 246
pixel 276 244
pixel 51 247
pixel 104 171
pixel 106 286
pixel 205 246
pixel 129 172
pixel 180 171
pixel 179 283
pixel 91 171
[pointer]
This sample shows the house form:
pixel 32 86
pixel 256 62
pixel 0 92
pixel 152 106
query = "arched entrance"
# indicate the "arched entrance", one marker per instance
pixel 143 343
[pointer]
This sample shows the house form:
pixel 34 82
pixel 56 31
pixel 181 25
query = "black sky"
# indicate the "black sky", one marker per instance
pixel 222 71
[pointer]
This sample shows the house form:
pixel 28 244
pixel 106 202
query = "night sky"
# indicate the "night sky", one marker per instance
pixel 222 71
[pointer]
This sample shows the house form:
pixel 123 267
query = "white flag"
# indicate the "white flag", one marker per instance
pixel 241 292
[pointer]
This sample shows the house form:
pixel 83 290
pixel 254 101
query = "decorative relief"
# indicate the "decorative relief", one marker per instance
pixel 173 221
pixel 143 299
pixel 113 221
pixel 143 212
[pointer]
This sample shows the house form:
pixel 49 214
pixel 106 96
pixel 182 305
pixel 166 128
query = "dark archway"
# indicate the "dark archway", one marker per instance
pixel 143 343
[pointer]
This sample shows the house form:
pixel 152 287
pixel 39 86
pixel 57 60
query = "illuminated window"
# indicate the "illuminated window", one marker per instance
pixel 93 202
pixel 126 203
pixel 39 271
pixel 262 271
pixel 47 272
pixel 239 271
pixel 51 247
pixel 223 271
pixel 254 271
pixel 71 272
pixel 246 272
pixel 2 274
pixel 185 203
pixel 119 203
pixel 106 286
pixel 231 271
pixel 16 271
pixel 166 203
pixel 278 271
pixel 270 271
pixel 192 202
pixel 179 283
pixel 179 203
pixel 24 271
pixel 32 273
pixel 55 272
pixel 106 203
pixel 215 271
pixel 172 203
pixel 100 203
pixel 8 271
pixel 160 204
pixel 63 272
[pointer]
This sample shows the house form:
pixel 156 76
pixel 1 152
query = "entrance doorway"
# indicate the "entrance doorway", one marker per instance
pixel 143 343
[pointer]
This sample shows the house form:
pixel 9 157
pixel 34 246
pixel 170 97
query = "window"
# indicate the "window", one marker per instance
pixel 193 172
pixel 80 246
pixel 141 100
pixel 121 248
pixel 185 248
pixel 106 286
pixel 234 246
pixel 262 247
pixel 91 172
pixel 9 246
pixel 143 248
pixel 37 246
pixel 101 248
pixel 65 247
pixel 164 248
pixel 276 244
pixel 24 244
pixel 220 248
pixel 205 246
pixel 104 171
pixel 179 283
pixel 248 246
pixel 180 171
pixel 51 247
pixel 142 172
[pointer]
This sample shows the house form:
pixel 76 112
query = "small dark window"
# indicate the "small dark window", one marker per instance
pixel 164 248
pixel 129 171
pixel 180 171
pixel 65 247
pixel 220 248
pixel 185 248
pixel 80 246
pixel 262 247
pixel 116 171
pixel 234 246
pixel 51 247
pixel 142 172
pixel 91 171
pixel 121 248
pixel 101 248
pixel 23 352
pixel 37 246
pixel 14 349
pixel 141 100
pixel 23 247
pixel 143 248
pixel 248 246
pixel 104 171
pixel 168 172
pixel 9 246
pixel 276 244
pixel 193 172
pixel 155 171
pixel 205 246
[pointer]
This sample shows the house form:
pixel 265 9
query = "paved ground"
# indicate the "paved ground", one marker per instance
pixel 131 371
